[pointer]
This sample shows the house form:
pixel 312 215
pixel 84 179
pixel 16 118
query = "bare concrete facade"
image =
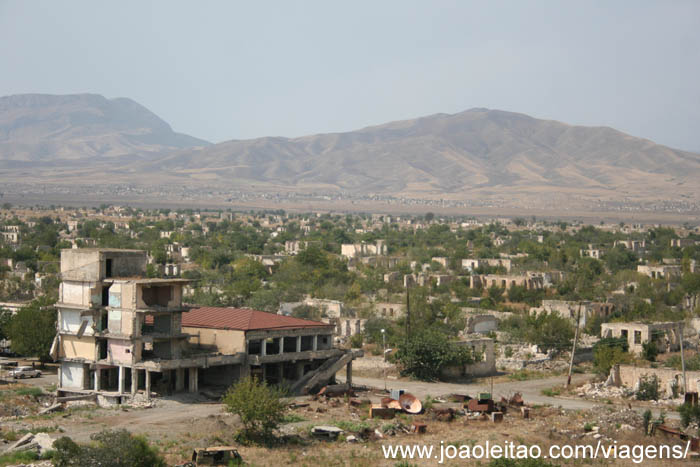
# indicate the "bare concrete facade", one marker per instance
pixel 629 376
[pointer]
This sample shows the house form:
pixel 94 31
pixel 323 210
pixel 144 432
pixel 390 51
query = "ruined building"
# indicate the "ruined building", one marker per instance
pixel 121 334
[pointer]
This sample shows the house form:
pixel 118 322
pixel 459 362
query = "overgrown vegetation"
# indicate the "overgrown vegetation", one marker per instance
pixel 260 407
pixel 117 448
pixel 648 388
pixel 427 353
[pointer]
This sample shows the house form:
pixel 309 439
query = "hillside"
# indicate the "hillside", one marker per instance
pixel 473 155
pixel 47 128
pixel 478 149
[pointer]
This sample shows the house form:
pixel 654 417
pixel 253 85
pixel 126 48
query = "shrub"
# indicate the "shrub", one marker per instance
pixel 689 414
pixel 607 356
pixel 650 351
pixel 260 407
pixel 648 388
pixel 646 420
pixel 117 448
pixel 356 341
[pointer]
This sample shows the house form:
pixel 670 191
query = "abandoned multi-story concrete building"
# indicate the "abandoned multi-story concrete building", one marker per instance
pixel 667 336
pixel 120 334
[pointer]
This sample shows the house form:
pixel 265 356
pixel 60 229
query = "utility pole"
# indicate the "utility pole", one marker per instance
pixel 408 313
pixel 685 388
pixel 573 349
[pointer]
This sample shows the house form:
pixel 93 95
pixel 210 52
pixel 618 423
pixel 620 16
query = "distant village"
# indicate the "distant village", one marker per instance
pixel 153 301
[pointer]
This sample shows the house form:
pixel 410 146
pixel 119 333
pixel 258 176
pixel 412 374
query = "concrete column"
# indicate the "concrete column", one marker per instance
pixel 97 379
pixel 315 347
pixel 194 379
pixel 148 384
pixel 280 372
pixel 263 347
pixel 122 375
pixel 60 373
pixel 300 370
pixel 348 373
pixel 281 349
pixel 134 381
pixel 180 379
pixel 298 343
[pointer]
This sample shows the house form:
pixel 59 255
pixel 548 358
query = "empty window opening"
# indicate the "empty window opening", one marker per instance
pixel 637 337
pixel 108 267
pixel 290 344
pixel 272 346
pixel 105 295
pixel 102 350
pixel 307 343
pixel 157 296
pixel 254 347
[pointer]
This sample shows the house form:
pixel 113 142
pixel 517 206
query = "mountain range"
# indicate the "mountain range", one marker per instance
pixel 473 154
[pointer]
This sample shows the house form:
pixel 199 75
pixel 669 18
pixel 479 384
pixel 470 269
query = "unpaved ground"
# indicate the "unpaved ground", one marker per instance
pixel 176 425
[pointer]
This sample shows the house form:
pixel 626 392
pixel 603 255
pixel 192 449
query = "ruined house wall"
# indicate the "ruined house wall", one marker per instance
pixel 628 376
pixel 73 375
pixel 119 351
pixel 225 341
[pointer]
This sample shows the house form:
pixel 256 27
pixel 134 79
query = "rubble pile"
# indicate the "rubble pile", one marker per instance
pixel 620 418
pixel 603 391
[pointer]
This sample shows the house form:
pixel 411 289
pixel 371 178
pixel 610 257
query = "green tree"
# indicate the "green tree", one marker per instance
pixel 428 352
pixel 260 407
pixel 33 328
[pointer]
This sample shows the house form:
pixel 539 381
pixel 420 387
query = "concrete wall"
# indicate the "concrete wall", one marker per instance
pixel 73 375
pixel 629 376
pixel 225 341
pixel 72 347
pixel 70 321
pixel 85 264
pixel 79 294
pixel 120 351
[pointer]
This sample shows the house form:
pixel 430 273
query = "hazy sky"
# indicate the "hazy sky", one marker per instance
pixel 231 70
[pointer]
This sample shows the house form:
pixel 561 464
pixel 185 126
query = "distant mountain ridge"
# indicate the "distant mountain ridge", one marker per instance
pixel 43 127
pixel 478 153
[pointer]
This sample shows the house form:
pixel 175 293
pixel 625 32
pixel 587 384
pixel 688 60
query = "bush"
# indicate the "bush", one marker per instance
pixel 689 414
pixel 648 388
pixel 260 407
pixel 356 341
pixel 117 448
pixel 650 351
pixel 428 352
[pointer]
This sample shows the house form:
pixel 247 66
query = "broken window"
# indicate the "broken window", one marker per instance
pixel 108 267
pixel 290 344
pixel 624 333
pixel 272 346
pixel 637 337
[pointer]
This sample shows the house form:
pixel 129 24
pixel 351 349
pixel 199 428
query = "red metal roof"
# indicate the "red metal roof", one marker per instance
pixel 243 319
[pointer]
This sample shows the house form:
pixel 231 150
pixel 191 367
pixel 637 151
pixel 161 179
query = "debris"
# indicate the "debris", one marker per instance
pixel 496 417
pixel 53 408
pixel 480 405
pixel 39 442
pixel 297 405
pixel 328 432
pixel 351 439
pixel 390 403
pixel 419 428
pixel 525 411
pixel 396 393
pixel 336 390
pixel 444 415
pixel 459 397
pixel 410 403
pixel 215 455
pixel 516 400
pixel 378 433
pixel 377 411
